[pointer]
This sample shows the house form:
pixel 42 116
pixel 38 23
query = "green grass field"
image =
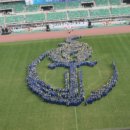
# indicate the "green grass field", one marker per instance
pixel 22 110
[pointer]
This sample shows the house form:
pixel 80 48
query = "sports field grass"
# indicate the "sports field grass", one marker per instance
pixel 22 110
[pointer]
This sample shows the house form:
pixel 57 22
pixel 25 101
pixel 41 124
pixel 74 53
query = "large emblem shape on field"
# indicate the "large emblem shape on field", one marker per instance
pixel 71 54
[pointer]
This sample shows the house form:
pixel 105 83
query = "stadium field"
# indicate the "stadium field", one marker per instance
pixel 22 110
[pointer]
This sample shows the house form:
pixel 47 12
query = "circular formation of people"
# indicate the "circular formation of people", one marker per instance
pixel 71 54
pixel 76 51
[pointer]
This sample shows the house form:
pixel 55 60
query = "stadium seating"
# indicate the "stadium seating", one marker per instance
pixel 1 20
pixel 72 4
pixel 56 16
pixel 115 2
pixel 101 2
pixel 87 0
pixel 15 6
pixel 120 11
pixel 35 17
pixel 64 5
pixel 32 8
pixel 60 5
pixel 14 19
pixel 99 13
pixel 77 14
pixel 21 7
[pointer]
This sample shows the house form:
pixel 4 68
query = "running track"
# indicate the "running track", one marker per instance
pixel 64 34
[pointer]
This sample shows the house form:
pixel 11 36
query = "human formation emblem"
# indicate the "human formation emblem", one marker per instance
pixel 70 54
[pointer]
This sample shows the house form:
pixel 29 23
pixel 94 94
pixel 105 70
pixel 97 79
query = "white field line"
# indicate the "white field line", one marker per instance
pixel 76 121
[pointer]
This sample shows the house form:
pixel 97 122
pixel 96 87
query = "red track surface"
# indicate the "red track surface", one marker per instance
pixel 64 34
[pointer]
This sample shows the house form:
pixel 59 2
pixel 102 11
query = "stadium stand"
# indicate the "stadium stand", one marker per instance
pixel 32 8
pixel 64 5
pixel 15 6
pixel 16 12
pixel 120 11
pixel 19 7
pixel 1 20
pixel 77 14
pixel 35 17
pixel 14 19
pixel 72 4
pixel 100 13
pixel 102 2
pixel 59 5
pixel 87 1
pixel 56 16
pixel 115 2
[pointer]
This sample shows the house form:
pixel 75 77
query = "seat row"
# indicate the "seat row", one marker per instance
pixel 59 16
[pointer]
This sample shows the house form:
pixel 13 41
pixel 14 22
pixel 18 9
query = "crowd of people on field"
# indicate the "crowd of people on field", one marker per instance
pixel 66 96
pixel 105 89
pixel 71 50
pixel 73 93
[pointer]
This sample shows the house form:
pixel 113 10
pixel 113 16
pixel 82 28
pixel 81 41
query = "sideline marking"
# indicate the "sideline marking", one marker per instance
pixel 76 121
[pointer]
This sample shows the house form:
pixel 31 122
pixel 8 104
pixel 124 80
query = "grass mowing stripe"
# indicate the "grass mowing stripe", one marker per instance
pixel 46 76
pixel 76 119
